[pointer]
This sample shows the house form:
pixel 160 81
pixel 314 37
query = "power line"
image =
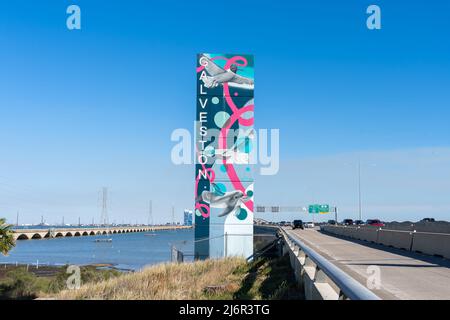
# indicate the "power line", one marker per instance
pixel 359 190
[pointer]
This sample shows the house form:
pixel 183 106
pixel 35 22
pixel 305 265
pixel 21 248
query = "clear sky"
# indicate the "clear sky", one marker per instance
pixel 95 107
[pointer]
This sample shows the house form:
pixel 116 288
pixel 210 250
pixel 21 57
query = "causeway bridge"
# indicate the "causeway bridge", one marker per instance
pixel 26 234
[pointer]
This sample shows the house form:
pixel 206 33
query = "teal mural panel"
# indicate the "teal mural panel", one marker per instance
pixel 225 140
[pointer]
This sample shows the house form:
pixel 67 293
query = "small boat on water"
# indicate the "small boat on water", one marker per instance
pixel 150 234
pixel 103 240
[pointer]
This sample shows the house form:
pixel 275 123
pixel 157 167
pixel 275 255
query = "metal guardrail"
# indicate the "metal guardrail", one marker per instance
pixel 351 288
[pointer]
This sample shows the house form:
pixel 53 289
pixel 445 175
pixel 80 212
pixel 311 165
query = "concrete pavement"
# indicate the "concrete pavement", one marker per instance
pixel 403 275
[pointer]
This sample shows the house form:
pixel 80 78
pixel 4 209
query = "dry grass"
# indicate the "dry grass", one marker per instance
pixel 167 281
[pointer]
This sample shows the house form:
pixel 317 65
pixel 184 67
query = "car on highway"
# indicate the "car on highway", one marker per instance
pixel 309 225
pixel 359 222
pixel 347 222
pixel 297 224
pixel 375 223
pixel 332 222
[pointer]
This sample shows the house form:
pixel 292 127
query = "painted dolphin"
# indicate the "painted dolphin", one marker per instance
pixel 229 201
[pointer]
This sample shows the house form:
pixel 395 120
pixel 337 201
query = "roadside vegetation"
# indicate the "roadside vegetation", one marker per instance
pixel 19 283
pixel 230 278
pixel 269 279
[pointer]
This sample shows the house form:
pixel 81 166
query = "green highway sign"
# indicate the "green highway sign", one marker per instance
pixel 324 208
pixel 313 209
pixel 319 208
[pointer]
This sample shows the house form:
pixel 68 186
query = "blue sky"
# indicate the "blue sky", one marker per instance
pixel 90 108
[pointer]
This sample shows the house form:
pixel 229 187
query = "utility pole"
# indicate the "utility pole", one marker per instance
pixel 335 214
pixel 359 189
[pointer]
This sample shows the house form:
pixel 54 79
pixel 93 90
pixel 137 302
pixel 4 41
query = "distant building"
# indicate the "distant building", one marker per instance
pixel 187 217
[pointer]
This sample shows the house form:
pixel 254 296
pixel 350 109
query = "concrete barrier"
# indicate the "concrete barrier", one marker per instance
pixel 425 242
pixel 344 231
pixel 396 239
pixel 339 231
pixel 432 243
pixel 361 233
pixel 329 229
pixel 368 234
pixel 352 232
pixel 421 226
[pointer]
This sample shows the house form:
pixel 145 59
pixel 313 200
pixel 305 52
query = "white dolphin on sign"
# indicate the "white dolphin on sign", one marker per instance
pixel 229 201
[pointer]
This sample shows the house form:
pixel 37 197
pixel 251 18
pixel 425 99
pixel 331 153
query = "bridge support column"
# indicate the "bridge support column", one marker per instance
pixel 322 290
pixel 308 275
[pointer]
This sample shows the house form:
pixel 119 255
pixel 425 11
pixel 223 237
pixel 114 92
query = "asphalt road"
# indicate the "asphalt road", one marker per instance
pixel 403 275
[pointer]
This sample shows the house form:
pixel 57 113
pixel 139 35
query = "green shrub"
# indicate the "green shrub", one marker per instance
pixel 21 284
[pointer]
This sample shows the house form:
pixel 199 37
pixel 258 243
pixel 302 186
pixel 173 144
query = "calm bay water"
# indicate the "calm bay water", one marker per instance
pixel 126 251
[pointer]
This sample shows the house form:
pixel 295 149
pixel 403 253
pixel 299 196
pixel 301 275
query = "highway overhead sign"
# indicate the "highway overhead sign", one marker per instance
pixel 319 208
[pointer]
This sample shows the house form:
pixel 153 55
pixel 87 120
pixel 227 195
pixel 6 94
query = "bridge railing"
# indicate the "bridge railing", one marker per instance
pixel 322 280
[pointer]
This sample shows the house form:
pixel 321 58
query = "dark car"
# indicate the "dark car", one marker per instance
pixel 375 223
pixel 297 224
pixel 359 222
pixel 347 222
pixel 332 222
pixel 428 220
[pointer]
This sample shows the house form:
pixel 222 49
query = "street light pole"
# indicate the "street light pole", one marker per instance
pixel 359 189
pixel 335 214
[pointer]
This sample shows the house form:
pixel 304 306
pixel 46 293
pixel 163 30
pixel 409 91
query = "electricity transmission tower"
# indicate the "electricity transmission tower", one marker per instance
pixel 150 213
pixel 173 215
pixel 104 216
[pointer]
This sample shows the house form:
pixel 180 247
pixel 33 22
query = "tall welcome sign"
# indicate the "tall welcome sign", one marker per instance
pixel 224 144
